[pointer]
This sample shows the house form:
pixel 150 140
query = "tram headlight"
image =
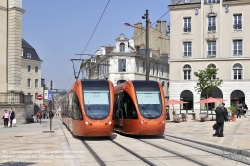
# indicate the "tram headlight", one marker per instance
pixel 86 122
pixel 109 122
pixel 142 121
pixel 163 121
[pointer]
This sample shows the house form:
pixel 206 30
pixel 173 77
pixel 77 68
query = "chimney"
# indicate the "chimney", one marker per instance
pixel 158 26
pixel 164 29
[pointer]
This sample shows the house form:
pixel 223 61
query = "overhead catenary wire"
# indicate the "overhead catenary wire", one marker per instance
pixel 89 39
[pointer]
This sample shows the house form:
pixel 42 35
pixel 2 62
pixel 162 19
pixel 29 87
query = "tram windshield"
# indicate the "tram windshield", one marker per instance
pixel 149 103
pixel 96 103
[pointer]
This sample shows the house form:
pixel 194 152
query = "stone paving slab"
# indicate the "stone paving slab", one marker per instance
pixel 236 134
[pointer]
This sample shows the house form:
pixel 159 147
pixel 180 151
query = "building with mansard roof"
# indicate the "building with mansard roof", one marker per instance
pixel 124 63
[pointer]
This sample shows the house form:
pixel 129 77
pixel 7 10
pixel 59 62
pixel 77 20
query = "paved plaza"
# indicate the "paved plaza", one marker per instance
pixel 34 144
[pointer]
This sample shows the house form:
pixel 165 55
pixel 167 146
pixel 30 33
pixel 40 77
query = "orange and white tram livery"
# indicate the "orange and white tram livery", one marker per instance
pixel 87 109
pixel 140 108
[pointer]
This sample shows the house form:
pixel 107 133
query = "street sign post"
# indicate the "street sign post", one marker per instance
pixel 39 97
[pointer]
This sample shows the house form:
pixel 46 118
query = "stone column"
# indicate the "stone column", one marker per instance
pixel 15 12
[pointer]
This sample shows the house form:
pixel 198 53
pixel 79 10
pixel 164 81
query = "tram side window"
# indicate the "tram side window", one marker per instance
pixel 130 110
pixel 115 114
pixel 77 112
pixel 70 99
pixel 121 107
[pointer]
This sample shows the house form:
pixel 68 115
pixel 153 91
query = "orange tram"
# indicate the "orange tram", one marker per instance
pixel 87 108
pixel 139 108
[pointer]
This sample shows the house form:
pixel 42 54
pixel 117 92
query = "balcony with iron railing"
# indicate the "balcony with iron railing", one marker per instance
pixel 15 98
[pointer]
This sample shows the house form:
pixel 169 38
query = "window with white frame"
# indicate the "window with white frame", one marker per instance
pixel 211 24
pixel 237 22
pixel 36 69
pixel 143 67
pixel 29 83
pixel 122 65
pixel 29 68
pixel 137 67
pixel 157 70
pixel 187 72
pixel 214 67
pixel 187 24
pixel 36 83
pixel 153 70
pixel 237 47
pixel 211 48
pixel 237 71
pixel 122 47
pixel 187 49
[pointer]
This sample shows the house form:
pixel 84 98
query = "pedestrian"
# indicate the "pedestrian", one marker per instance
pixel 217 131
pixel 12 116
pixel 244 108
pixel 221 117
pixel 6 118
pixel 239 106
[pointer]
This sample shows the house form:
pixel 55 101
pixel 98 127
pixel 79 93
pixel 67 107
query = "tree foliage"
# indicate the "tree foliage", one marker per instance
pixel 206 81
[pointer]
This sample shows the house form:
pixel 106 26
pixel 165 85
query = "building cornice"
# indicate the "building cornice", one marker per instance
pixel 3 8
pixel 184 6
pixel 17 9
pixel 235 2
pixel 207 59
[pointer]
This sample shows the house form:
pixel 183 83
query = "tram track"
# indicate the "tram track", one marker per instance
pixel 175 153
pixel 98 158
pixel 203 147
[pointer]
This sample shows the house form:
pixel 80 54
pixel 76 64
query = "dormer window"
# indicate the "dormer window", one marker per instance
pixel 122 47
pixel 28 55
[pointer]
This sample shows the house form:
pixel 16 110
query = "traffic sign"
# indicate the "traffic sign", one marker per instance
pixel 50 95
pixel 39 97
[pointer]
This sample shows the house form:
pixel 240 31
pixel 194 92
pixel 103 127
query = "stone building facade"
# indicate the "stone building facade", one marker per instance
pixel 205 32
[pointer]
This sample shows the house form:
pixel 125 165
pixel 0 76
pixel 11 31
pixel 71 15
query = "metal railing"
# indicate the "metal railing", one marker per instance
pixel 211 1
pixel 237 26
pixel 15 98
pixel 187 29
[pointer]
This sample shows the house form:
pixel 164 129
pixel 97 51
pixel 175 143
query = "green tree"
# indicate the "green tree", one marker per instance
pixel 207 80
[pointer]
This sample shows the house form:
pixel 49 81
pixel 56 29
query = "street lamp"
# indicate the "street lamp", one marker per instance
pixel 147 53
pixel 145 16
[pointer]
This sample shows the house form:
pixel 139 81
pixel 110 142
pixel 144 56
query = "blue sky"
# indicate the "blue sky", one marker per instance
pixel 58 29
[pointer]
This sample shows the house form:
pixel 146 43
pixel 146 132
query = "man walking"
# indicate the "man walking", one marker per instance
pixel 221 117
pixel 12 116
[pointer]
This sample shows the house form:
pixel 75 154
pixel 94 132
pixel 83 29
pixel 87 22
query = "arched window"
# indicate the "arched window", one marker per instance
pixel 214 67
pixel 122 47
pixel 237 71
pixel 29 68
pixel 187 72
pixel 36 69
